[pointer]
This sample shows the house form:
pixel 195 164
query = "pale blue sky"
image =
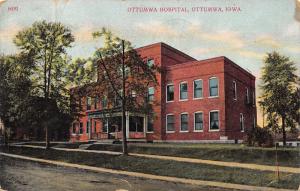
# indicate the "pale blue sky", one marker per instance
pixel 244 37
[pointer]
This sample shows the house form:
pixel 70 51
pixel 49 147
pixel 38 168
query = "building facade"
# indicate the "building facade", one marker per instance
pixel 209 100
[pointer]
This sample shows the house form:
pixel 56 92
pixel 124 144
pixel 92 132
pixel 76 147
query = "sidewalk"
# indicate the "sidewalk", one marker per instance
pixel 189 160
pixel 148 176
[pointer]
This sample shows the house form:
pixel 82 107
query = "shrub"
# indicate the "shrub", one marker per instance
pixel 261 137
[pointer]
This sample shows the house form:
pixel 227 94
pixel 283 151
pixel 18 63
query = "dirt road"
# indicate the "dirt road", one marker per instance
pixel 24 175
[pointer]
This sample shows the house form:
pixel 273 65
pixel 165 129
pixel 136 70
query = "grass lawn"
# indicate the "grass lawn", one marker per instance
pixel 219 152
pixel 166 168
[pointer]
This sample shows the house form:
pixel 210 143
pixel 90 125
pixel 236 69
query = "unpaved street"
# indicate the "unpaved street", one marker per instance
pixel 25 175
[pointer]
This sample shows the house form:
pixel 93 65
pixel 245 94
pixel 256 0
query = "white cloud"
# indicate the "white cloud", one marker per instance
pixel 267 41
pixel 292 30
pixel 84 34
pixel 156 29
pixel 8 33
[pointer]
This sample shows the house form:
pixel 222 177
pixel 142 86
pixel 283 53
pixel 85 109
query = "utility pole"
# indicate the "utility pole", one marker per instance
pixel 124 143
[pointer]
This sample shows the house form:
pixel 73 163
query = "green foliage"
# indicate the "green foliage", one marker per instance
pixel 259 137
pixel 15 87
pixel 280 97
pixel 138 75
pixel 81 71
pixel 45 45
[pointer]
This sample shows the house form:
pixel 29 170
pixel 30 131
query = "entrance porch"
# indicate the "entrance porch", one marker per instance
pixel 110 126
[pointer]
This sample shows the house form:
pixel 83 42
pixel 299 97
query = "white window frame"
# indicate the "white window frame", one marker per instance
pixel 209 96
pixel 214 130
pixel 185 131
pixel 170 84
pixel 235 90
pixel 184 82
pixel 194 89
pixel 242 119
pixel 195 121
pixel 167 123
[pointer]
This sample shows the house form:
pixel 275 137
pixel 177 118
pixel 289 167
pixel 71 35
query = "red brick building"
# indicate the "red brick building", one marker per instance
pixel 209 100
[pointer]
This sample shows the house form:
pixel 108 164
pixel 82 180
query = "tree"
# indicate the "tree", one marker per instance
pixel 280 97
pixel 15 87
pixel 123 78
pixel 46 43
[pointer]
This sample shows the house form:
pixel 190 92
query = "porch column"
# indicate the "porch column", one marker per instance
pixel 127 124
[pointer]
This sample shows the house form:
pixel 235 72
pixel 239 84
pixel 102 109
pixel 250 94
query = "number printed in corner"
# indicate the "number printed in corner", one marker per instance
pixel 13 9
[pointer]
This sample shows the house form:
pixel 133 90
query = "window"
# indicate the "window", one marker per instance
pixel 150 123
pixel 170 123
pixel 170 92
pixel 213 87
pixel 74 128
pixel 242 127
pixel 254 122
pixel 95 102
pixel 183 95
pixel 150 93
pixel 118 100
pixel 234 90
pixel 95 126
pixel 198 89
pixel 104 102
pixel 133 94
pixel 87 127
pixel 247 96
pixel 184 122
pixel 80 128
pixel 88 103
pixel 150 62
pixel 214 120
pixel 198 121
pixel 136 124
pixel 105 126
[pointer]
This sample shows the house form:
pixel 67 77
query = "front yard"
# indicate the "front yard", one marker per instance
pixel 165 167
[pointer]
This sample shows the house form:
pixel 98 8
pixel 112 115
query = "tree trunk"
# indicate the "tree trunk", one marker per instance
pixel 283 132
pixel 5 136
pixel 124 144
pixel 47 137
